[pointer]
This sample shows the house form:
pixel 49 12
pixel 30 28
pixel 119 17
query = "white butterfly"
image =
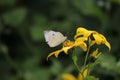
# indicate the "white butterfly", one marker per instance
pixel 54 38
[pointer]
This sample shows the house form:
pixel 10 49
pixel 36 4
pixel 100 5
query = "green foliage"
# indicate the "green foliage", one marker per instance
pixel 109 62
pixel 14 17
pixel 38 74
pixel 88 7
pixel 56 67
pixel 37 32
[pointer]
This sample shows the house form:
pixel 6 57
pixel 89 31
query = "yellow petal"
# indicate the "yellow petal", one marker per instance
pixel 81 39
pixel 102 36
pixel 88 33
pixel 65 49
pixel 80 77
pixel 98 39
pixel 56 53
pixel 68 43
pixel 82 32
pixel 83 74
pixel 83 46
pixel 78 35
pixel 68 77
pixel 105 42
pixel 80 42
pixel 96 54
pixel 108 45
pixel 92 43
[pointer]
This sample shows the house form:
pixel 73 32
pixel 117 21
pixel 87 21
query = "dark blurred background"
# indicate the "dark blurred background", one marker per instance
pixel 23 50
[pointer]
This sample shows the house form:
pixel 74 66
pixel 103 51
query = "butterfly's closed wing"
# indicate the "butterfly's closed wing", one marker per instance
pixel 54 38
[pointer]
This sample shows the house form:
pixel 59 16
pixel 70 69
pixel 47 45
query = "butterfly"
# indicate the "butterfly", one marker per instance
pixel 54 38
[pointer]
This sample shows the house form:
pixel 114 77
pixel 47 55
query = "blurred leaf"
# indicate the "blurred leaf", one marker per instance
pixel 4 69
pixel 74 58
pixel 37 29
pixel 88 7
pixel 118 63
pixel 37 32
pixel 3 48
pixel 38 74
pixel 108 62
pixel 56 68
pixel 40 19
pixel 7 2
pixel 15 17
pixel 11 77
pixel 31 63
pixel 118 66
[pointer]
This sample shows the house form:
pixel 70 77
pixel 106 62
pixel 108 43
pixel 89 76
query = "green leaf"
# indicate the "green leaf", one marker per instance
pixel 38 74
pixel 15 17
pixel 118 66
pixel 108 62
pixel 31 63
pixel 39 25
pixel 37 32
pixel 56 67
pixel 3 48
pixel 40 20
pixel 74 57
pixel 88 7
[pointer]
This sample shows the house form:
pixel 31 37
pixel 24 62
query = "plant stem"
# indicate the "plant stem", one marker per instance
pixel 77 67
pixel 86 57
pixel 74 58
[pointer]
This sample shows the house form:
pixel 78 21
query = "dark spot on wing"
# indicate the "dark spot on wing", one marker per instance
pixel 53 34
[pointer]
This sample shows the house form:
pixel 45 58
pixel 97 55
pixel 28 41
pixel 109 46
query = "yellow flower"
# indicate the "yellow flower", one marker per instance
pixel 68 45
pixel 83 74
pixel 82 35
pixel 68 77
pixel 97 38
pixel 80 42
pixel 95 53
pixel 100 39
pixel 82 32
